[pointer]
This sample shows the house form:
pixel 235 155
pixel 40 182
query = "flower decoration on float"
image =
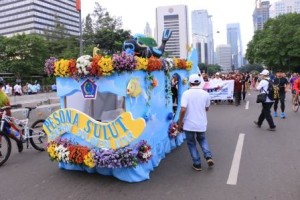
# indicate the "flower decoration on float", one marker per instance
pixel 144 151
pixel 100 65
pixel 106 65
pixel 173 130
pixel 66 151
pixel 123 62
pixel 61 68
pixel 184 81
pixel 141 63
pixel 83 65
pixel 49 66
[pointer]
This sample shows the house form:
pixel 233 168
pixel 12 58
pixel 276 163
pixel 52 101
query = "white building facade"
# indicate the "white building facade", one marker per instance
pixel 223 57
pixel 174 18
pixel 284 7
pixel 36 16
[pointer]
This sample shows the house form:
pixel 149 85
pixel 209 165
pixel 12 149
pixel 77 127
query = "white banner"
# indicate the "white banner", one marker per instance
pixel 220 90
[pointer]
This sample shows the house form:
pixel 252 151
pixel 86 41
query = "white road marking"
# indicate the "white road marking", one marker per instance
pixel 247 105
pixel 234 171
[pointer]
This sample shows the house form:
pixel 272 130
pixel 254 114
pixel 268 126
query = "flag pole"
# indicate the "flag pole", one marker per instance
pixel 80 34
pixel 78 8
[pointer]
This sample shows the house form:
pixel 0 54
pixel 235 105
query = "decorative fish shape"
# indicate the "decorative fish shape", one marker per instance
pixel 134 88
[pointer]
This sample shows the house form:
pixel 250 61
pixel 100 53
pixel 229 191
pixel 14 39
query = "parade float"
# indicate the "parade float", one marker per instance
pixel 85 135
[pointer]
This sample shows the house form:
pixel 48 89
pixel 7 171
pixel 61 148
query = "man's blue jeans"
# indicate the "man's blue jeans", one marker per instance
pixel 191 142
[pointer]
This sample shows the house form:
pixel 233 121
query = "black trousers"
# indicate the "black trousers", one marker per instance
pixel 266 114
pixel 281 99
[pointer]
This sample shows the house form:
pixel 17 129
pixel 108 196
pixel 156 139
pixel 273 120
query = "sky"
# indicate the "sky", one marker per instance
pixel 136 13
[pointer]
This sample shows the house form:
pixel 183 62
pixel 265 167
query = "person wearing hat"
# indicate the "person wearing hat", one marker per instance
pixel 267 105
pixel 193 120
pixel 282 83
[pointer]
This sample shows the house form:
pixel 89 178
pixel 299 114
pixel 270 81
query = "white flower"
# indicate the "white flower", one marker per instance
pixel 62 153
pixel 83 63
pixel 169 63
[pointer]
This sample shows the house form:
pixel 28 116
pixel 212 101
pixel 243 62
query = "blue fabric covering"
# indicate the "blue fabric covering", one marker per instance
pixel 156 131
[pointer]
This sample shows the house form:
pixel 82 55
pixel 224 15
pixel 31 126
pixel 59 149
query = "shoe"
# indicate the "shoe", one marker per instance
pixel 256 123
pixel 275 114
pixel 272 129
pixel 20 146
pixel 282 115
pixel 197 167
pixel 210 162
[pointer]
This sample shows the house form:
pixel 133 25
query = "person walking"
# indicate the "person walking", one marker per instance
pixel 282 83
pixel 267 105
pixel 193 120
pixel 238 88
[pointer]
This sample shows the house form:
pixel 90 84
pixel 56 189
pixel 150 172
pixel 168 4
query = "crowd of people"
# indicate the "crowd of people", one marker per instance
pixel 18 89
pixel 195 102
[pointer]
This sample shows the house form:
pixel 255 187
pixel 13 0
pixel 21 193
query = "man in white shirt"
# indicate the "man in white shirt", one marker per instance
pixel 18 89
pixel 267 105
pixel 193 120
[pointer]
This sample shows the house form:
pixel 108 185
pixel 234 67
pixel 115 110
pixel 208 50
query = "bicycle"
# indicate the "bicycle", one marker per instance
pixel 296 103
pixel 34 134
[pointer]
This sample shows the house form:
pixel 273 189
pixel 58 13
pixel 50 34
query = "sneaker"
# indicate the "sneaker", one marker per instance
pixel 275 114
pixel 20 146
pixel 282 115
pixel 210 162
pixel 256 123
pixel 197 167
pixel 272 129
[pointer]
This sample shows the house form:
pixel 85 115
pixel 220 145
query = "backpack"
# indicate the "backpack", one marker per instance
pixel 273 91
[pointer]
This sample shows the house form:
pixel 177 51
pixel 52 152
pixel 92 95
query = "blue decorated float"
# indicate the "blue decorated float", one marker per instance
pixel 116 115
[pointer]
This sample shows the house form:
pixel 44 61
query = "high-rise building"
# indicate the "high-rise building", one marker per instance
pixel 36 16
pixel 223 57
pixel 202 35
pixel 261 14
pixel 176 19
pixel 235 41
pixel 147 30
pixel 284 7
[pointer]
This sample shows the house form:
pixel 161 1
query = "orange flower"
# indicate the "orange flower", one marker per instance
pixel 72 70
pixel 154 83
pixel 95 68
pixel 154 64
pixel 77 154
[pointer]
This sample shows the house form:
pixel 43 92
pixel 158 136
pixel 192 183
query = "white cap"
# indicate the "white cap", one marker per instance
pixel 194 78
pixel 218 74
pixel 265 72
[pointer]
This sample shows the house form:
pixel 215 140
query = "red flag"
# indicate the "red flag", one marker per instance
pixel 78 5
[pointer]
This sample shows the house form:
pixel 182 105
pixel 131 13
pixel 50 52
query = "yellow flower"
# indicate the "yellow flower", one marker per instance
pixel 175 61
pixel 61 68
pixel 141 63
pixel 106 65
pixel 88 160
pixel 52 152
pixel 189 65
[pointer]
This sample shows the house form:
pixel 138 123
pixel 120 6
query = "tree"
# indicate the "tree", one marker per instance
pixel 251 68
pixel 277 46
pixel 25 55
pixel 88 31
pixel 103 20
pixel 209 69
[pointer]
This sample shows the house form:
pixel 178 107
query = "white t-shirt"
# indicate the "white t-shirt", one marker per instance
pixel 263 88
pixel 195 100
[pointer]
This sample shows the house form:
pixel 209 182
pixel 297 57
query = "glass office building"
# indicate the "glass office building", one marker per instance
pixel 36 16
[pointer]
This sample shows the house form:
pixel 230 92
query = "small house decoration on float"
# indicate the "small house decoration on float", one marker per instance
pixel 116 115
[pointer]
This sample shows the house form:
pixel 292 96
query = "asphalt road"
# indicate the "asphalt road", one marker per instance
pixel 269 166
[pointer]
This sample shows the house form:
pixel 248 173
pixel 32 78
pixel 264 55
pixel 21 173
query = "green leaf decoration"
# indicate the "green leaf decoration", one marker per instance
pixel 148 41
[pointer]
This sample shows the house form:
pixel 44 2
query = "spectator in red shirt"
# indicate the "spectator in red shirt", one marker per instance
pixel 238 86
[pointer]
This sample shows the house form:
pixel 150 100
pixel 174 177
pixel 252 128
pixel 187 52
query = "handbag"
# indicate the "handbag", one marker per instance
pixel 261 98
